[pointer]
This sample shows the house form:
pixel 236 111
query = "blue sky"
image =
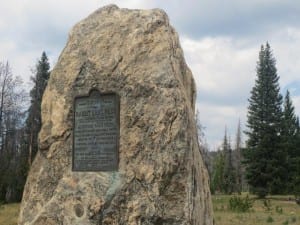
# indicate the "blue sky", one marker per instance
pixel 220 39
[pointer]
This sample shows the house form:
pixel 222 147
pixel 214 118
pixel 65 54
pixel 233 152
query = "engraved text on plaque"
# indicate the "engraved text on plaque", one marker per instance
pixel 96 132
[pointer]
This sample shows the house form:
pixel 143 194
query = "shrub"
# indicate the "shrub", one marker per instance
pixel 267 204
pixel 285 222
pixel 270 219
pixel 279 209
pixel 240 204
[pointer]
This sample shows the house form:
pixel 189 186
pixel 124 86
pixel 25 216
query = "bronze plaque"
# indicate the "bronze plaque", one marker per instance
pixel 96 132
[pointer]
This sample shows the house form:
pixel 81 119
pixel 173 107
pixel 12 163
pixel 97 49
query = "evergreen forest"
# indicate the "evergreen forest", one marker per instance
pixel 269 161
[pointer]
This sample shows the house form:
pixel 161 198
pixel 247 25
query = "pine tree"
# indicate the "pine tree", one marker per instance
pixel 289 140
pixel 290 124
pixel 229 175
pixel 29 136
pixel 265 171
pixel 33 122
pixel 238 148
pixel 296 167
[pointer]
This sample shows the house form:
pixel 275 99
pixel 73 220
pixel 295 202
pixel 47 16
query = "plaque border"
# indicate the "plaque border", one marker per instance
pixel 117 98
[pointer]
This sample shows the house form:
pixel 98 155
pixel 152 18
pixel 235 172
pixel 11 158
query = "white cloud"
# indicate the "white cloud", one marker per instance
pixel 286 43
pixel 221 66
pixel 224 71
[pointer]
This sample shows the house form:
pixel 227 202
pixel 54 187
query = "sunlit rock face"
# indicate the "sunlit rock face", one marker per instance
pixel 161 178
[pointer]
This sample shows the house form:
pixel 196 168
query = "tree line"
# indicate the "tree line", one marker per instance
pixel 20 122
pixel 269 163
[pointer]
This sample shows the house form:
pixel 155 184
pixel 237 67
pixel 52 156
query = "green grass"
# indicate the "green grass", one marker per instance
pixel 275 210
pixel 9 214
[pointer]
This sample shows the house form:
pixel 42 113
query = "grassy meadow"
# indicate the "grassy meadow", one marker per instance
pixel 275 210
pixel 9 214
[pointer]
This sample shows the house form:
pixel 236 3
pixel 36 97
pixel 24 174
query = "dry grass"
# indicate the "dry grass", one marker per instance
pixel 276 210
pixel 9 214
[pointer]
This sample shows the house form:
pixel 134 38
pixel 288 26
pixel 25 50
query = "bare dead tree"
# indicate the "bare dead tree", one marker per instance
pixel 12 103
pixel 238 147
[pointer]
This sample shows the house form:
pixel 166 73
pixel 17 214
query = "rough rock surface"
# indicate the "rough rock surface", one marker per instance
pixel 161 177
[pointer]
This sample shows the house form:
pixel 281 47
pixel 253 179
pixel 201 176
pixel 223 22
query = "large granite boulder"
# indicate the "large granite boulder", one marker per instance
pixel 161 177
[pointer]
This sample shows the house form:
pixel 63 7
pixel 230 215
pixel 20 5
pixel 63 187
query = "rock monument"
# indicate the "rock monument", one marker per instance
pixel 118 140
